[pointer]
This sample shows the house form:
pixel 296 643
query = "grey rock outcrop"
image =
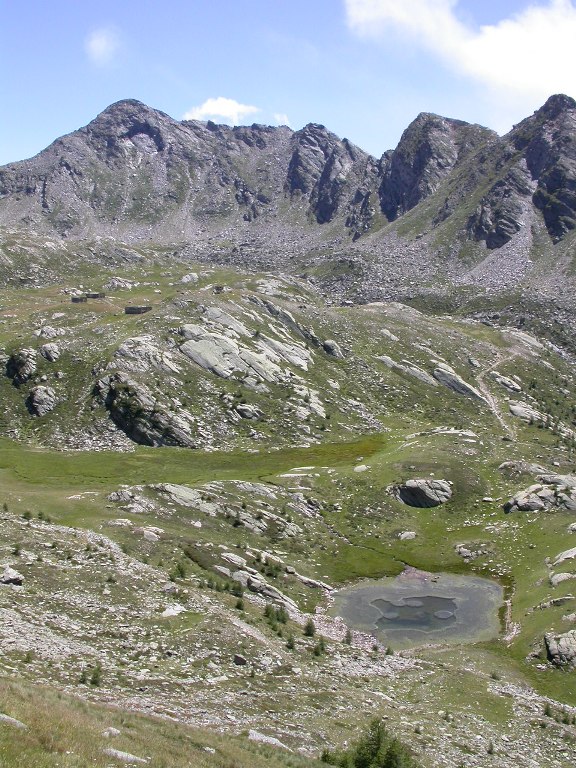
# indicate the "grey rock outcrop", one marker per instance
pixel 50 352
pixel 498 217
pixel 526 412
pixel 49 332
pixel 41 400
pixel 21 365
pixel 11 576
pixel 287 319
pixel 406 366
pixel 449 378
pixel 568 554
pixel 258 584
pixel 561 649
pixel 124 757
pixel 332 347
pixel 226 358
pixel 136 411
pixel 515 468
pixel 264 739
pixel 7 720
pixel 423 492
pixel 507 382
pixel 247 411
pixel 142 353
pixel 554 492
pixel 559 578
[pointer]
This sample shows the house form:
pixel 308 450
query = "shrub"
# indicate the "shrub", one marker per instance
pixel 282 615
pixel 96 676
pixel 309 628
pixel 375 749
pixel 320 647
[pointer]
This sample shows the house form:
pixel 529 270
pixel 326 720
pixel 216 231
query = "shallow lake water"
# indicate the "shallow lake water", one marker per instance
pixel 417 608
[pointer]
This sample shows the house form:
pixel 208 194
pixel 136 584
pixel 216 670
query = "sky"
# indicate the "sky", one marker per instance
pixel 363 68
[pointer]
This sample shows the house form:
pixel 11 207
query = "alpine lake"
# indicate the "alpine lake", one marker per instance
pixel 418 608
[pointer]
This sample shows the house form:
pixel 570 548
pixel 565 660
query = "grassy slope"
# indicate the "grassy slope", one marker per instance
pixel 355 534
pixel 67 732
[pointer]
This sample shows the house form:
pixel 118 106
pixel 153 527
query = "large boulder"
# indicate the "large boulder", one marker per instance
pixel 50 351
pixel 506 382
pixel 11 577
pixel 422 492
pixel 561 649
pixel 568 554
pixel 525 412
pixel 258 584
pixel 41 400
pixel 22 365
pixel 332 347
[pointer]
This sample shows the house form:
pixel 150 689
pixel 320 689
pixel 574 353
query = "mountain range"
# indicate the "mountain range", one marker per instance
pixel 454 212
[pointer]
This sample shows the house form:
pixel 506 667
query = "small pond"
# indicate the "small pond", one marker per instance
pixel 417 608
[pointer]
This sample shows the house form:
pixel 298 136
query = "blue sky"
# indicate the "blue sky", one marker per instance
pixel 363 68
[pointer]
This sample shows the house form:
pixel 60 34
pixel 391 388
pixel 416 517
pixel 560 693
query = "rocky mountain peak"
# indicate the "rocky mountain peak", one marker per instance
pixel 428 150
pixel 132 120
pixel 556 105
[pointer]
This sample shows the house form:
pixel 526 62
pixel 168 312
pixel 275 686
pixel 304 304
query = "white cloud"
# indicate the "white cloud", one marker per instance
pixel 221 108
pixel 282 118
pixel 528 56
pixel 102 45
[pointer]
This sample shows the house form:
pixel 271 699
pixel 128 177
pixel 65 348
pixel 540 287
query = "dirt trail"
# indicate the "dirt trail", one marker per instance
pixel 490 399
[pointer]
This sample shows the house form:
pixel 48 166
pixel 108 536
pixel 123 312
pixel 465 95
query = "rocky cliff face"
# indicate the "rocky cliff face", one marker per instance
pixel 535 160
pixel 429 150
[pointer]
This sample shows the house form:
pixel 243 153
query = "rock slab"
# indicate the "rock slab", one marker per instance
pixel 423 493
